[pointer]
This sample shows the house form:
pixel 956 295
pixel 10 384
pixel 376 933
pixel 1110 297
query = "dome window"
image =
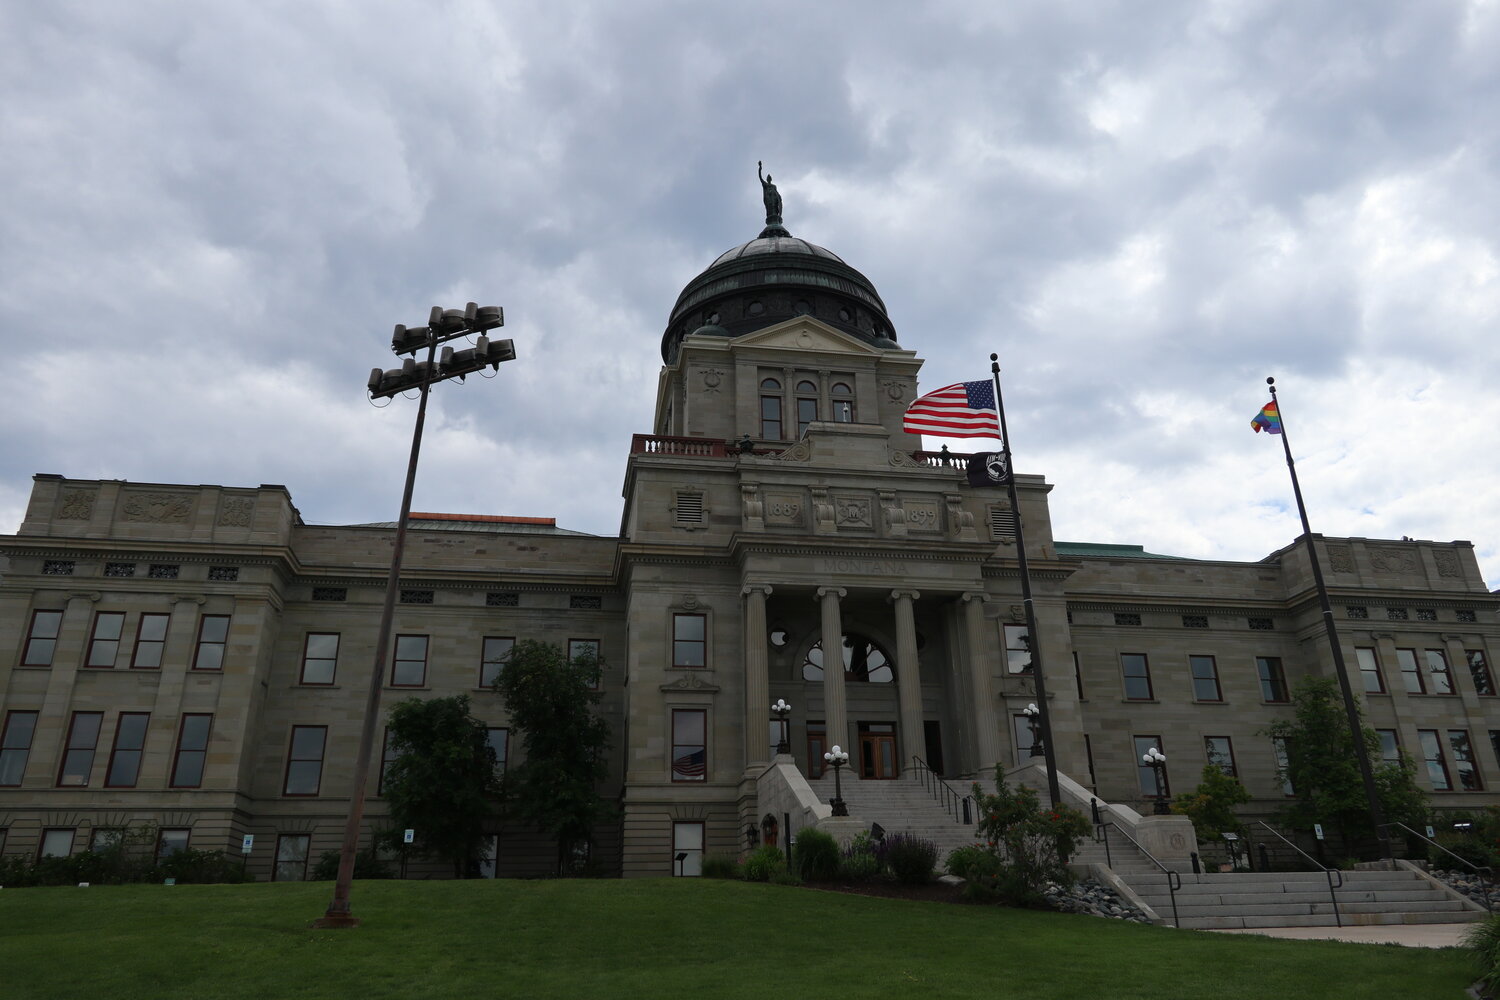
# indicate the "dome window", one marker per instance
pixel 864 661
pixel 845 316
pixel 755 308
pixel 803 308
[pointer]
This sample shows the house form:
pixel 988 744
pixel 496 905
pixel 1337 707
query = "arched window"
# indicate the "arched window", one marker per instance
pixel 843 403
pixel 864 661
pixel 770 409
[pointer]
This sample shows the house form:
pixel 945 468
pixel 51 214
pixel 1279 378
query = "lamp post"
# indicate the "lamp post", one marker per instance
pixel 781 709
pixel 1157 761
pixel 837 759
pixel 442 326
pixel 1031 712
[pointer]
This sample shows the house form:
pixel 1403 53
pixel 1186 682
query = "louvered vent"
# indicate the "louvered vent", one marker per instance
pixel 690 508
pixel 1002 522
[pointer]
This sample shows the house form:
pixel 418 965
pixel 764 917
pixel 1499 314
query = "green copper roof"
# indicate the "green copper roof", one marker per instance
pixel 1101 550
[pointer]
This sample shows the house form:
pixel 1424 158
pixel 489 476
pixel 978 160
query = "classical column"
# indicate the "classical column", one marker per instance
pixel 833 667
pixel 986 726
pixel 909 678
pixel 757 683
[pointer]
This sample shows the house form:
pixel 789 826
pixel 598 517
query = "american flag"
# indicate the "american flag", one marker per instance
pixel 690 764
pixel 964 409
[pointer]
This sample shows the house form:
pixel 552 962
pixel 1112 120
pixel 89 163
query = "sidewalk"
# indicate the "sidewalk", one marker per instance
pixel 1410 935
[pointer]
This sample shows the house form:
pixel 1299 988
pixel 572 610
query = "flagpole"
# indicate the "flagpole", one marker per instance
pixel 1361 752
pixel 1045 714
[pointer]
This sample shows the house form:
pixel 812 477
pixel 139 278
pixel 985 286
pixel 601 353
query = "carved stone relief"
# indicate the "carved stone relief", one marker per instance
pixel 1447 563
pixel 893 514
pixel 1340 559
pixel 902 460
pixel 1393 560
pixel 822 511
pixel 852 512
pixel 76 505
pixel 713 378
pixel 157 508
pixel 235 512
pixel 799 452
pixel 922 515
pixel 785 509
pixel 754 508
pixel 895 391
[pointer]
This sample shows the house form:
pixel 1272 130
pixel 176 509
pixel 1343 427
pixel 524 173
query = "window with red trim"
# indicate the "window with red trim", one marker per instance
pixel 304 760
pixel 192 750
pixel 213 633
pixel 150 642
pixel 104 640
pixel 15 747
pixel 409 668
pixel 41 639
pixel 320 658
pixel 125 758
pixel 78 752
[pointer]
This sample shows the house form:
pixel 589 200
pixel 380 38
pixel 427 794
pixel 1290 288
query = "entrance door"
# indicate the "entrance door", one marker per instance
pixel 877 750
pixel 817 746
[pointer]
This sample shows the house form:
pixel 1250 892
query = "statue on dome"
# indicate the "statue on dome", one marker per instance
pixel 770 194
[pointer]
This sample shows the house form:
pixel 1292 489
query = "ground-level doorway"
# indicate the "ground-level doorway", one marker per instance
pixel 877 750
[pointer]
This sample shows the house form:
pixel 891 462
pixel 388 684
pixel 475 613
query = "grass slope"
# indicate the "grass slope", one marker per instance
pixel 648 938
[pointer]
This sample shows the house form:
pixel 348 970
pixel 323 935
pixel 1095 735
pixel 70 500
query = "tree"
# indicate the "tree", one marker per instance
pixel 1324 773
pixel 1211 805
pixel 551 700
pixel 442 782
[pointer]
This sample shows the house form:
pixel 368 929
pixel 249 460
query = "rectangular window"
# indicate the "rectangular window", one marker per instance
pixel 78 756
pixel 1437 764
pixel 41 640
pixel 1463 760
pixel 125 758
pixel 1369 670
pixel 104 641
pixel 1406 659
pixel 590 647
pixel 1437 672
pixel 1479 669
pixel 1390 746
pixel 689 744
pixel 1220 754
pixel 192 751
pixel 817 746
pixel 320 657
pixel 56 843
pixel 291 857
pixel 807 412
pixel 1017 649
pixel 213 633
pixel 492 657
pixel 770 418
pixel 1137 676
pixel 689 641
pixel 304 760
pixel 150 641
pixel 498 738
pixel 1147 775
pixel 1283 765
pixel 1205 678
pixel 1088 753
pixel 15 747
pixel 1495 744
pixel 409 669
pixel 687 848
pixel 1020 727
pixel 1272 680
pixel 170 841
pixel 1077 677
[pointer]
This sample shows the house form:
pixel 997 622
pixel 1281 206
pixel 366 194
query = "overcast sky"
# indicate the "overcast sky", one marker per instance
pixel 214 213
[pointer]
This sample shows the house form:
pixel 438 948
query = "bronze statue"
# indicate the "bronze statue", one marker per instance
pixel 771 195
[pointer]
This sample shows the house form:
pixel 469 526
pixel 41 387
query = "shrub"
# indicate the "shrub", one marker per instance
pixel 1483 941
pixel 860 866
pixel 980 869
pixel 783 877
pixel 367 864
pixel 1031 846
pixel 910 858
pixel 815 858
pixel 762 864
pixel 190 866
pixel 720 866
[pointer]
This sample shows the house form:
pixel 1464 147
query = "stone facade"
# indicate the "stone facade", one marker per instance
pixel 776 509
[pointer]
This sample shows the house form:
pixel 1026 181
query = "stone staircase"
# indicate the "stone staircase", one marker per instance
pixel 1403 895
pixel 1301 899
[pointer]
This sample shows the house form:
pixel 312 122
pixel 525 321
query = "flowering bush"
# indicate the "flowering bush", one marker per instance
pixel 1022 848
pixel 910 858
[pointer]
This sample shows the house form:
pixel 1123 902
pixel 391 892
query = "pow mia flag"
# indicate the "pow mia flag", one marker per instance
pixel 988 469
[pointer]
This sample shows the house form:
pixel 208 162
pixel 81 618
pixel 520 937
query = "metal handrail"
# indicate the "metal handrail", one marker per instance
pixel 1328 872
pixel 1174 880
pixel 1483 870
pixel 958 805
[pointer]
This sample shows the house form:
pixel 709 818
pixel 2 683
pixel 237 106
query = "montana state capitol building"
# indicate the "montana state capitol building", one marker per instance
pixel 195 658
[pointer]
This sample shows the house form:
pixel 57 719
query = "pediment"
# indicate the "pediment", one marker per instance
pixel 803 333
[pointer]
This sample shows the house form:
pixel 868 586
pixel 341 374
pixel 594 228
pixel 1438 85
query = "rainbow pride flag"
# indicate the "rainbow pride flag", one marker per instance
pixel 1268 419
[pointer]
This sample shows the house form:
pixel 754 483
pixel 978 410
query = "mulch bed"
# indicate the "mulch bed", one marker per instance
pixel 932 892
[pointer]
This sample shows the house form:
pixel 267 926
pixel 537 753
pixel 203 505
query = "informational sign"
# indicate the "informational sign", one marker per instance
pixel 247 843
pixel 169 881
pixel 1431 832
pixel 408 836
pixel 1318 830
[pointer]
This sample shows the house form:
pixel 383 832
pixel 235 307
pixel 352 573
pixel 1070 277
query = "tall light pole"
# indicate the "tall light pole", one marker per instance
pixel 442 326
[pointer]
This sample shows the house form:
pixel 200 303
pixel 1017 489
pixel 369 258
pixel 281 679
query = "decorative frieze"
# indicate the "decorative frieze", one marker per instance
pixel 156 508
pixel 76 505
pixel 1393 560
pixel 1447 563
pixel 236 512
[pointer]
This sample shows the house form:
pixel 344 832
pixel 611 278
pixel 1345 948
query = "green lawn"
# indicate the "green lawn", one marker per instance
pixel 654 938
